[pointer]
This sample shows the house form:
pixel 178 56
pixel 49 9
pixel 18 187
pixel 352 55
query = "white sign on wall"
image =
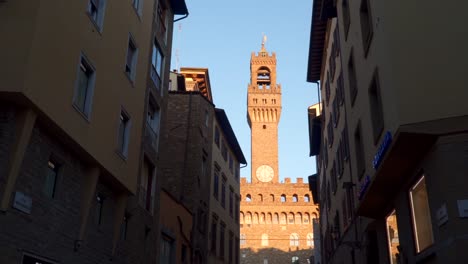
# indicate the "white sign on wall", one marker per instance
pixel 442 215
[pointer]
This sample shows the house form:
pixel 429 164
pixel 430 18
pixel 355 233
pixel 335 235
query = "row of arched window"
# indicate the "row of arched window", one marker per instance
pixel 271 198
pixel 294 240
pixel 276 218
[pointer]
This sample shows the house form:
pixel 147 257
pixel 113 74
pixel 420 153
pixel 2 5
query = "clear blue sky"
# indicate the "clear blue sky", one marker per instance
pixel 220 35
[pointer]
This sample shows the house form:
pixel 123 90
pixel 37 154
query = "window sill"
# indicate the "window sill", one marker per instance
pixel 95 24
pixel 426 254
pixel 85 116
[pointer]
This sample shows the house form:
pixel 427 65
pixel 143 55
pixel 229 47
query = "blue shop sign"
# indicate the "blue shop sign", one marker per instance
pixel 365 184
pixel 382 150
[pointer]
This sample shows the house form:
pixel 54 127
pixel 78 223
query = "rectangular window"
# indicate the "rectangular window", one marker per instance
pixel 162 21
pixel 366 25
pixel 131 61
pixel 84 87
pixel 124 133
pixel 214 227
pixel 231 202
pixel 138 5
pixel 147 186
pixel 421 215
pixel 223 193
pixel 231 163
pixel 221 239
pixel 51 179
pixel 392 237
pixel 360 157
pixel 157 65
pixel 352 79
pixel 216 137
pixel 375 103
pixel 166 256
pixel 231 243
pixel 216 183
pixel 224 150
pixel 96 12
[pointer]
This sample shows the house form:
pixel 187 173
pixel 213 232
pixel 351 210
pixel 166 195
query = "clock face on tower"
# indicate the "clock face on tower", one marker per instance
pixel 265 173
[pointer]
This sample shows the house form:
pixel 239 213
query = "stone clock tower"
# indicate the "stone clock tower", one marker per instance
pixel 263 114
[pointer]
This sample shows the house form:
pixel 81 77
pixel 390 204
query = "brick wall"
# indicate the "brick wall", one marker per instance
pixel 279 248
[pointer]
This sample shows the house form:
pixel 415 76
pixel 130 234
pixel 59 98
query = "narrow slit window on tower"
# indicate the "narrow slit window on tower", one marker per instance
pixel 264 126
pixel 366 25
pixel 352 79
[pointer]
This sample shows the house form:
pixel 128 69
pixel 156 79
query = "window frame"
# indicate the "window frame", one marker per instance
pixel 98 18
pixel 428 218
pixel 157 65
pixel 86 108
pixel 54 167
pixel 130 70
pixel 123 140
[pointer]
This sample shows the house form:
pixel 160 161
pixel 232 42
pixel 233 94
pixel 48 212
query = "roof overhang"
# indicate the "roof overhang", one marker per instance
pixel 179 7
pixel 225 125
pixel 322 10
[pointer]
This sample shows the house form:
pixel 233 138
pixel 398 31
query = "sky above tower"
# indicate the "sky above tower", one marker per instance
pixel 221 35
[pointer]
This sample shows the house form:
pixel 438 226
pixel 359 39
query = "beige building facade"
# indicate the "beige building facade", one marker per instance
pixel 276 218
pixel 73 88
pixel 389 135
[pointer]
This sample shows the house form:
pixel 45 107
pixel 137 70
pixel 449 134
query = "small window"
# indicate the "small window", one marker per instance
pixel 421 215
pixel 167 248
pixel 352 79
pixel 294 240
pixel 224 151
pixel 260 197
pixel 264 126
pixel 295 260
pixel 272 197
pixel 310 240
pixel 216 137
pixel 147 186
pixel 231 163
pixel 361 163
pixel 138 5
pixel 216 184
pixel 51 179
pixel 283 198
pixel 291 218
pixel 157 65
pixel 131 61
pixel 223 193
pixel 346 16
pixel 294 198
pixel 375 103
pixel 366 25
pixel 84 89
pixel 306 198
pixel 162 21
pixel 96 12
pixel 124 133
pixel 248 198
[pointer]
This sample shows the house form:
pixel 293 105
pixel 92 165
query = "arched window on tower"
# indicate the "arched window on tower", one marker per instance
pixel 294 240
pixel 276 218
pixel 248 218
pixel 283 198
pixel 263 77
pixel 294 198
pixel 283 218
pixel 269 218
pixel 310 240
pixel 291 218
pixel 272 197
pixel 262 218
pixel 299 218
pixel 248 198
pixel 307 198
pixel 260 197
pixel 255 218
pixel 264 240
pixel 241 220
pixel 306 218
